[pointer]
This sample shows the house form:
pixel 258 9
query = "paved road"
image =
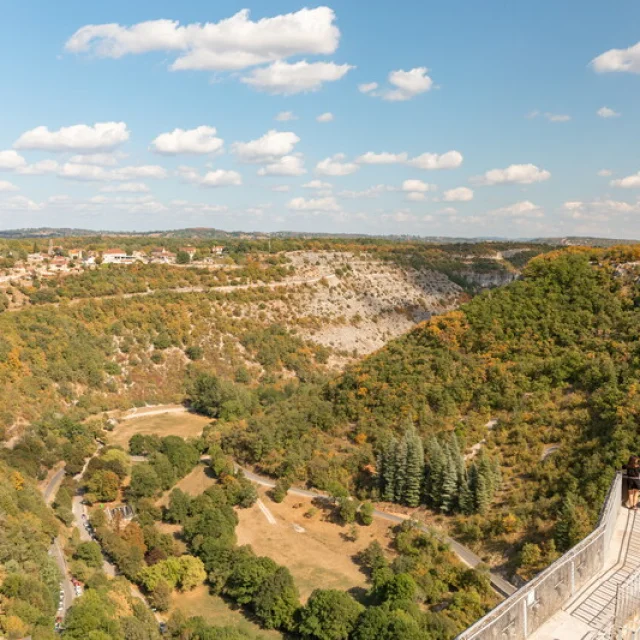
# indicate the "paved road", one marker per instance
pixel 49 492
pixel 466 555
pixel 55 551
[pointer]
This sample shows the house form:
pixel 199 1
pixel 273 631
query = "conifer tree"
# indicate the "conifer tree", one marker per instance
pixel 435 472
pixel 449 491
pixel 466 496
pixel 388 471
pixel 472 488
pixel 414 468
pixel 483 489
pixel 401 470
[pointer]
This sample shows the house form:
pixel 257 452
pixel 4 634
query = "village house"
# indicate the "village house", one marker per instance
pixel 75 254
pixel 191 251
pixel 58 263
pixel 163 256
pixel 115 256
pixel 217 251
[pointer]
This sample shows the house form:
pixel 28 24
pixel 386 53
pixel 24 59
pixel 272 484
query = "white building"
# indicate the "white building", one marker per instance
pixel 115 256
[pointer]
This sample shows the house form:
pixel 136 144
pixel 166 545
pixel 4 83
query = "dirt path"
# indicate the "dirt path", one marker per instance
pixel 267 514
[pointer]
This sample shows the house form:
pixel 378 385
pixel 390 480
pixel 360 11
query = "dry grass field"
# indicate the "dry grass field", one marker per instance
pixel 319 556
pixel 216 611
pixel 185 425
pixel 194 483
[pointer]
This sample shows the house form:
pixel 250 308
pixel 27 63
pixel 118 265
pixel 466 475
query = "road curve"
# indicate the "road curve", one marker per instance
pixel 467 556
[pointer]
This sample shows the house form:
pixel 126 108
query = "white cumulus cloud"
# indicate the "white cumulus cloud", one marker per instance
pixel 317 184
pixel 101 159
pixel 216 178
pixel 371 157
pixel 524 209
pixel 230 44
pixel 460 194
pixel 416 185
pixel 514 174
pixel 607 112
pixel 618 60
pixel 285 166
pixel 408 84
pixel 416 196
pixel 325 117
pixel 372 192
pixel 79 137
pixel 605 173
pixel 285 116
pixel 200 140
pixel 7 186
pixel 432 161
pixel 19 203
pixel 221 178
pixel 270 146
pixel 367 87
pixel 126 187
pixel 334 166
pixel 39 168
pixel 10 160
pixel 317 204
pixel 630 182
pixel 284 78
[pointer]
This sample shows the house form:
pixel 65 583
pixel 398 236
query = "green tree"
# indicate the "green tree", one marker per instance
pixel 414 473
pixel 90 553
pixel 366 513
pixel 160 596
pixel 279 492
pixel 178 509
pixel 247 578
pixel 182 257
pixel 329 615
pixel 387 470
pixel 104 485
pixel 277 600
pixel 347 508
pixel 144 481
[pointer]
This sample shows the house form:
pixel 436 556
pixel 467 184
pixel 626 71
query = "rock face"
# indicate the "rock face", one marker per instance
pixel 490 279
pixel 364 302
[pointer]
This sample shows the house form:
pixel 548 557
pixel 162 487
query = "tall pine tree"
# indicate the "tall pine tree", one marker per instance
pixel 414 468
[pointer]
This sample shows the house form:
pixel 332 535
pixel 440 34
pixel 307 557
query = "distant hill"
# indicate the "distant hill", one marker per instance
pixel 206 232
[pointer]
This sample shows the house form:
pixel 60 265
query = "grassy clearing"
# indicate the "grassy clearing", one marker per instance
pixel 185 425
pixel 215 610
pixel 319 557
pixel 194 483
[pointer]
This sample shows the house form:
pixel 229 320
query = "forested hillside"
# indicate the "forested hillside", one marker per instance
pixel 544 371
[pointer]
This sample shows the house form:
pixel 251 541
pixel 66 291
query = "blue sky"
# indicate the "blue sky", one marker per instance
pixel 498 118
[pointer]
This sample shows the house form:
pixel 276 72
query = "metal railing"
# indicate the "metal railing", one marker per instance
pixel 626 623
pixel 517 617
